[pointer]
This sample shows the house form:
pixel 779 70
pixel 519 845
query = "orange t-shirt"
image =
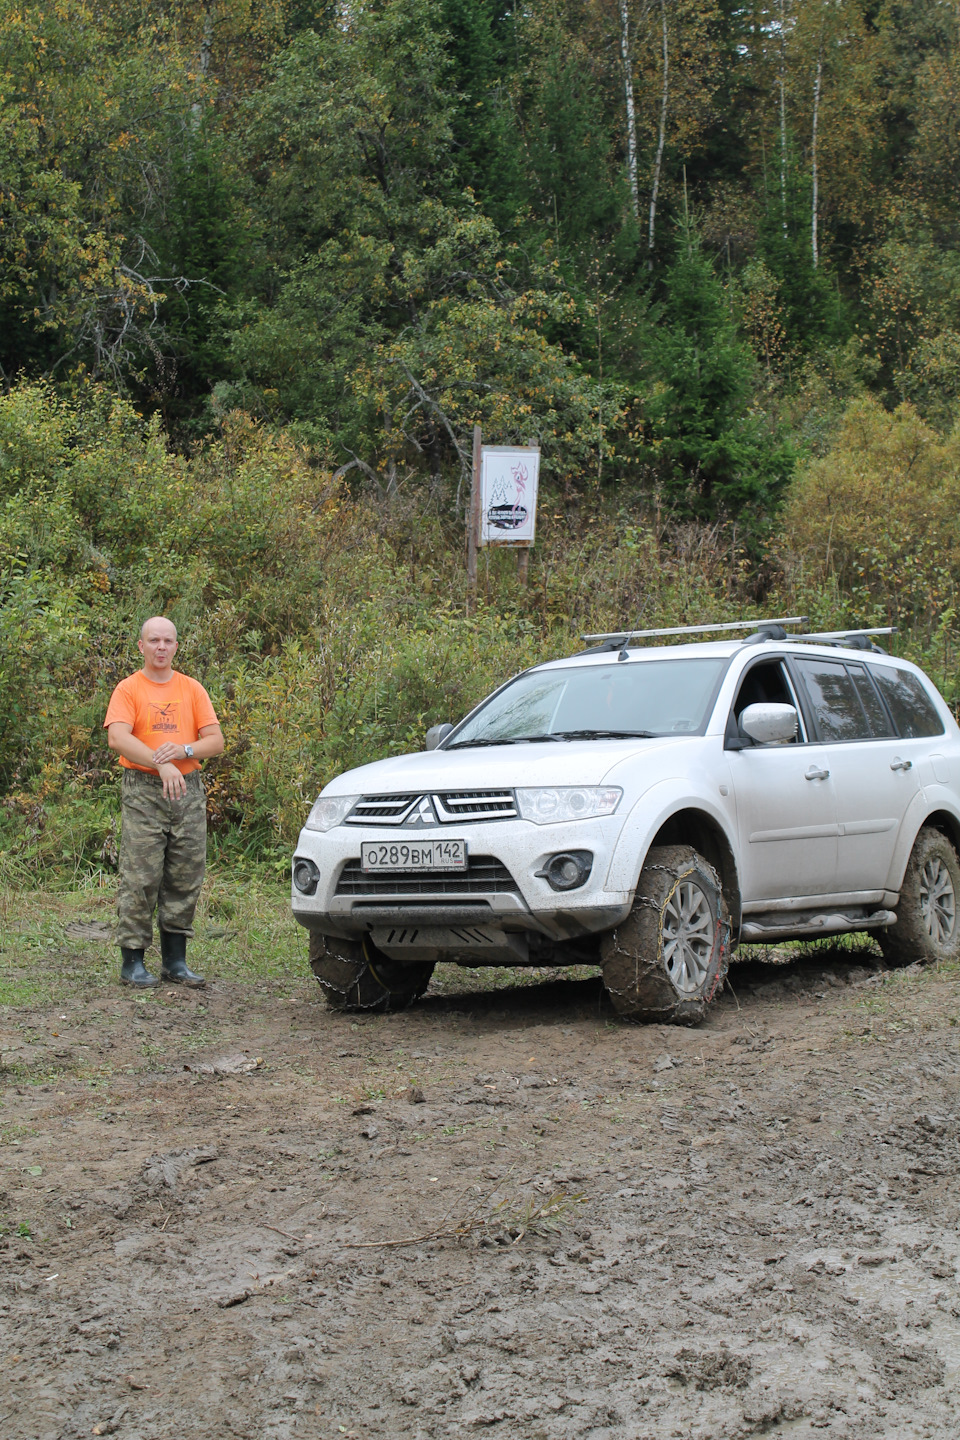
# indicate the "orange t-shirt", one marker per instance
pixel 176 711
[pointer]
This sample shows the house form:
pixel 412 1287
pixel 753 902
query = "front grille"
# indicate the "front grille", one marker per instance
pixel 382 809
pixel 451 807
pixel 476 805
pixel 484 875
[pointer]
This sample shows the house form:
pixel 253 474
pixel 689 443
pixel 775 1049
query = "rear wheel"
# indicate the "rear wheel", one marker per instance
pixel 355 976
pixel 668 959
pixel 927 927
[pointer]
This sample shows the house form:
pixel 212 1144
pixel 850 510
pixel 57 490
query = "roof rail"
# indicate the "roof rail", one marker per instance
pixel 621 636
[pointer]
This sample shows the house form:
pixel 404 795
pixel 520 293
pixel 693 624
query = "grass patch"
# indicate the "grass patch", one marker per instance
pixel 244 932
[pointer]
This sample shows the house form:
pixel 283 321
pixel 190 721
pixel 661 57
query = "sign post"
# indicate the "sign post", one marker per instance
pixel 473 514
pixel 509 481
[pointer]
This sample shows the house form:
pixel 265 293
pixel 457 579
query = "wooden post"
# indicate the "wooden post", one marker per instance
pixel 523 565
pixel 473 515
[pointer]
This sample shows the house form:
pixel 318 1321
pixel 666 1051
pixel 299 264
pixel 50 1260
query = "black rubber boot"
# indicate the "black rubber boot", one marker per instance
pixel 173 949
pixel 134 972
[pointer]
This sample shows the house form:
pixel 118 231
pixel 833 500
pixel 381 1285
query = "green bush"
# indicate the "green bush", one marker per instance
pixel 332 629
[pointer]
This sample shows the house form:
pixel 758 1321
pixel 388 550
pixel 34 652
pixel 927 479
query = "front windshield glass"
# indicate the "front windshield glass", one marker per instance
pixel 636 697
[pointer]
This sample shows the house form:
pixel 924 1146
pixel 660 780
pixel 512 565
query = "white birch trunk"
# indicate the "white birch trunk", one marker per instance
pixel 783 117
pixel 626 55
pixel 661 138
pixel 815 176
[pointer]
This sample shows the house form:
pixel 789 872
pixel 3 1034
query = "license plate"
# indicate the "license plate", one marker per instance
pixel 378 855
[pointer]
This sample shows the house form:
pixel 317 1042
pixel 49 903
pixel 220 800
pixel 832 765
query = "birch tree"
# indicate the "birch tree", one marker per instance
pixel 626 57
pixel 814 172
pixel 662 129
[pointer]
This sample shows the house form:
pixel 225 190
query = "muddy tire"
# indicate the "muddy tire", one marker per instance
pixel 668 959
pixel 355 976
pixel 927 927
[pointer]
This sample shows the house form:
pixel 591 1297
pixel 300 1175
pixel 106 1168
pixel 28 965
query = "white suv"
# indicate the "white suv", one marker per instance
pixel 646 809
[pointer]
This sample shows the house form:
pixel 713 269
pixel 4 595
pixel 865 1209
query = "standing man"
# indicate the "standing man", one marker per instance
pixel 161 724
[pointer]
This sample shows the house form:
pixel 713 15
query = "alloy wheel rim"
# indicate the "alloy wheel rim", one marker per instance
pixel 688 936
pixel 938 901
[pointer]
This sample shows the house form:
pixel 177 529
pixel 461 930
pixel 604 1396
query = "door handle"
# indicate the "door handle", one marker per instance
pixel 814 774
pixel 899 764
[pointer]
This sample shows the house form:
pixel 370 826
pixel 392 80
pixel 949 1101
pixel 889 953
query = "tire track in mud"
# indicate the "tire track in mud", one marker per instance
pixel 754 1228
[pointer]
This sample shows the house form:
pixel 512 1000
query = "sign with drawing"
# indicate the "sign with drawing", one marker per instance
pixel 509 476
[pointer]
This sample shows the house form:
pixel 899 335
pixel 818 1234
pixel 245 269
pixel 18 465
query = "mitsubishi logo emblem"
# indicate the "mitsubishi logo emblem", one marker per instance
pixel 422 813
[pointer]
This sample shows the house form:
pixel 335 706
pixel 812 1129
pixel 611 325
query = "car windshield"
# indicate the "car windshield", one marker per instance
pixel 584 702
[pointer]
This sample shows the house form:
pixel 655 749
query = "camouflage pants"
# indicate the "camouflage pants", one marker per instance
pixel 163 852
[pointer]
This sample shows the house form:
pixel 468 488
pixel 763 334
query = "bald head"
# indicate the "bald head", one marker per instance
pixel 155 624
pixel 158 645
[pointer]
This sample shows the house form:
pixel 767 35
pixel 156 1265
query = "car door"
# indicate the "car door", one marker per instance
pixel 873 770
pixel 786 806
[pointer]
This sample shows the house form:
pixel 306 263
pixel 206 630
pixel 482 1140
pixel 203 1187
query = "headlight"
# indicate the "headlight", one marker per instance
pixel 330 810
pixel 547 806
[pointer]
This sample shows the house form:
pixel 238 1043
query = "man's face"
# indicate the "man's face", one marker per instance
pixel 158 643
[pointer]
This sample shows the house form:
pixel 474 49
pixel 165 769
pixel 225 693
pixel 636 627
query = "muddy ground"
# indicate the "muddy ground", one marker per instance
pixel 749 1228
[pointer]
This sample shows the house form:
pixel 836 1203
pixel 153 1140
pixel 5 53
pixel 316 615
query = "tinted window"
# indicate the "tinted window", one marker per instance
pixel 911 707
pixel 671 697
pixel 765 684
pixel 877 717
pixel 836 706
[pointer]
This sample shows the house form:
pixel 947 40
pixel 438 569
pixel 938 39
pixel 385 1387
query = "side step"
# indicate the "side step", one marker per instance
pixel 776 926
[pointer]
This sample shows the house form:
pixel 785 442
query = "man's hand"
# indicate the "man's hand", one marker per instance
pixel 168 751
pixel 174 784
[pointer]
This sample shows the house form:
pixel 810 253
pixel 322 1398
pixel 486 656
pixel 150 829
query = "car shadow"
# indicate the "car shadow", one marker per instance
pixel 553 999
pixel 759 972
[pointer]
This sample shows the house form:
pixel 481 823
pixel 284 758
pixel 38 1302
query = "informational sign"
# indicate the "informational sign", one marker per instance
pixel 509 476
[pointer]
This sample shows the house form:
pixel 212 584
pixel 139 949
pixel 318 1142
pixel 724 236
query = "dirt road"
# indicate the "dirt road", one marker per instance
pixel 749 1228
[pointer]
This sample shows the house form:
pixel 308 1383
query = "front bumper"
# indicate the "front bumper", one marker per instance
pixel 501 894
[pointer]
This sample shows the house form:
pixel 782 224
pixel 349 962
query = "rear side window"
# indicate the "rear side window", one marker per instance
pixel 914 713
pixel 872 706
pixel 836 704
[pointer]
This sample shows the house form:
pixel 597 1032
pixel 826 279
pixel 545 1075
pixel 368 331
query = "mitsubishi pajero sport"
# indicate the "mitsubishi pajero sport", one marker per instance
pixel 646 809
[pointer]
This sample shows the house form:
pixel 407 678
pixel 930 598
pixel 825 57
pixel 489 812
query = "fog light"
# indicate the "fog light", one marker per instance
pixel 568 870
pixel 306 876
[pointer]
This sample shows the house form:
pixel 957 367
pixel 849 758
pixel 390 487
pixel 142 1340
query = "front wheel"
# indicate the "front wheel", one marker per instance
pixel 355 976
pixel 927 928
pixel 668 959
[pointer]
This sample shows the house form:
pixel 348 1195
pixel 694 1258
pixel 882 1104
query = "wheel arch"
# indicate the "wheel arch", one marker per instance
pixel 948 824
pixel 691 826
pixel 941 818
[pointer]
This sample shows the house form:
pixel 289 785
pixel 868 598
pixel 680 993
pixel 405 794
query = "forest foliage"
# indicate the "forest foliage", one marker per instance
pixel 265 263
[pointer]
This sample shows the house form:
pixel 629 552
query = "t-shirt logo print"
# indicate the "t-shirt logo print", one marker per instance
pixel 165 718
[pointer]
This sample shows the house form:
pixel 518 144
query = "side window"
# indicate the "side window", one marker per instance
pixel 911 707
pixel 766 683
pixel 833 697
pixel 877 717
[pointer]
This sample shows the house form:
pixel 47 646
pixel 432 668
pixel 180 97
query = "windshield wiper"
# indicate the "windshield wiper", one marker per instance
pixel 505 740
pixel 607 734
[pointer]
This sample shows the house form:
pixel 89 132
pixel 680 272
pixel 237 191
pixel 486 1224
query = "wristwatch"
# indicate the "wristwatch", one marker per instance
pixel 188 751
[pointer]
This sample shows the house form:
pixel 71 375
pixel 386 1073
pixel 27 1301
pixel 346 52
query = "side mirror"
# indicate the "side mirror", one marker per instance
pixel 436 733
pixel 769 724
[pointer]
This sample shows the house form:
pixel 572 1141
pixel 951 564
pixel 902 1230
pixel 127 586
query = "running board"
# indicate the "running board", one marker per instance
pixel 811 926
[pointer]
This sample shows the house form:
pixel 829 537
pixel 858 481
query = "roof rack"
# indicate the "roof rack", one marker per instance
pixel 763 630
pixel 850 639
pixel 838 635
pixel 621 636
